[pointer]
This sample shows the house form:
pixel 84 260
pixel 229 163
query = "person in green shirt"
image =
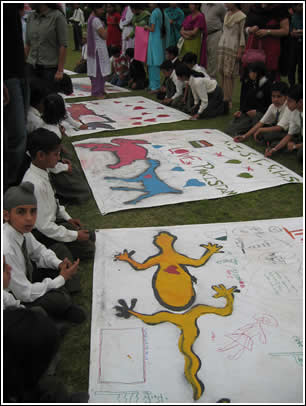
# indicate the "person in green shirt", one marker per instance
pixel 140 19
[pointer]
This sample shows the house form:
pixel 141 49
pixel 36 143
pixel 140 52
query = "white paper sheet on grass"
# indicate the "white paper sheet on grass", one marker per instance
pixel 176 166
pixel 264 259
pixel 120 113
pixel 70 72
pixel 82 88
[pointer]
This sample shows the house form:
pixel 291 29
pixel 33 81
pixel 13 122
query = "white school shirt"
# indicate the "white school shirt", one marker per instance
pixel 296 122
pixel 34 119
pixel 48 209
pixel 78 16
pixel 9 300
pixel 270 115
pixel 179 85
pixel 84 52
pixel 200 88
pixel 201 69
pixel 19 284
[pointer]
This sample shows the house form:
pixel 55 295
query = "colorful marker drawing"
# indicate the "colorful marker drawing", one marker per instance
pixel 243 339
pixel 173 288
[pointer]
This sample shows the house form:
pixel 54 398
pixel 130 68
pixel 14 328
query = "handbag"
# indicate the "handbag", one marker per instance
pixel 253 55
pixel 180 43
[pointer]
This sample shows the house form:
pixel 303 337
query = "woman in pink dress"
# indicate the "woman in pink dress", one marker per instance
pixel 113 31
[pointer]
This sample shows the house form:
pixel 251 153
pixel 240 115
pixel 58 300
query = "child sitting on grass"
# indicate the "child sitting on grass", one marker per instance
pixel 120 68
pixel 137 75
pixel 53 223
pixel 255 98
pixel 39 275
pixel 274 123
pixel 294 138
pixel 207 94
pixel 69 183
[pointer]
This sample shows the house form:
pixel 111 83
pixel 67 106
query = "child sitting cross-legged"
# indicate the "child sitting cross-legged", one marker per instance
pixel 255 98
pixel 293 140
pixel 53 223
pixel 274 124
pixel 207 94
pixel 39 277
pixel 137 74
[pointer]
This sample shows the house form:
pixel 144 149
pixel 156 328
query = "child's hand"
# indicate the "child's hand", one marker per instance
pixel 62 130
pixel 83 235
pixel 237 114
pixel 251 113
pixel 291 146
pixel 66 161
pixel 240 138
pixel 195 117
pixel 166 101
pixel 76 223
pixel 67 271
pixel 258 135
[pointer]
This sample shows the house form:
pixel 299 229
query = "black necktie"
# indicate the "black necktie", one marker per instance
pixel 29 266
pixel 54 190
pixel 277 116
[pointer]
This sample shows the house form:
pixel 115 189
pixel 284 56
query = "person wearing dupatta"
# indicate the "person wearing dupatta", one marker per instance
pixel 155 55
pixel 98 63
pixel 126 27
pixel 194 33
pixel 230 49
pixel 140 18
pixel 174 17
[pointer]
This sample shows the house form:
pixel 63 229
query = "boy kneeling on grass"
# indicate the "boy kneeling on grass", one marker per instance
pixel 39 277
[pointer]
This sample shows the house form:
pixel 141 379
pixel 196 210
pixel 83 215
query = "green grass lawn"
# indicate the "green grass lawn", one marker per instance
pixel 277 202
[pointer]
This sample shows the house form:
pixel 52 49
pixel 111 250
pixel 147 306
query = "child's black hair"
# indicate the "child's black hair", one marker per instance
pixel 281 87
pixel 257 67
pixel 166 65
pixel 64 85
pixel 130 53
pixel 173 50
pixel 115 50
pixel 43 140
pixel 190 58
pixel 54 109
pixel 39 89
pixel 296 92
pixel 183 70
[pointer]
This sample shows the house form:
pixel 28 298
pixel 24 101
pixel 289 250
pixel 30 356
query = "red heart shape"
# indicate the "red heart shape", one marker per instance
pixel 148 176
pixel 144 113
pixel 138 108
pixel 136 118
pixel 117 102
pixel 150 119
pixel 137 123
pixel 163 115
pixel 128 105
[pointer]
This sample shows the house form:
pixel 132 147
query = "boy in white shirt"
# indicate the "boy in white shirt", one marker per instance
pixel 294 138
pixel 39 275
pixel 53 223
pixel 173 88
pixel 274 123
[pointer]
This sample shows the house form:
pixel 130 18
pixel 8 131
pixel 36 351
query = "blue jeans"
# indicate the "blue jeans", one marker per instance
pixel 14 118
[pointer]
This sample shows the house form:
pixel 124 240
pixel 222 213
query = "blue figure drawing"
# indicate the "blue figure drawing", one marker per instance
pixel 152 185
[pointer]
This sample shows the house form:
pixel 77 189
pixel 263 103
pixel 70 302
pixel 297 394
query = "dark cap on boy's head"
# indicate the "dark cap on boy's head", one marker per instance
pixel 20 195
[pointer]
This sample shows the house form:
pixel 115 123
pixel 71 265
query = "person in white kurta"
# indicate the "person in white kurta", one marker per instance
pixel 126 27
pixel 98 62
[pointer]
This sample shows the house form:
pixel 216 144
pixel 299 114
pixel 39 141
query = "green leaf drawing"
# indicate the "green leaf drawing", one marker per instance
pixel 245 175
pixel 233 161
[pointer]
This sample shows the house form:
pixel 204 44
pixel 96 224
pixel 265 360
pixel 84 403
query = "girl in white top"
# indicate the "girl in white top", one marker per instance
pixel 98 63
pixel 207 94
pixel 126 27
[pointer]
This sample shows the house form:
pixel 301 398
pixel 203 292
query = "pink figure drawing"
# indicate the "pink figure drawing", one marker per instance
pixel 77 110
pixel 126 151
pixel 243 339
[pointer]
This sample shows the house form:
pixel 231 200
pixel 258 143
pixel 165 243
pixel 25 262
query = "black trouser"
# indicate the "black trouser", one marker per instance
pixel 77 36
pixel 295 59
pixel 42 72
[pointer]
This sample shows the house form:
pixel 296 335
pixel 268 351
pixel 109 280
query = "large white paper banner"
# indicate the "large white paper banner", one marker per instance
pixel 119 113
pixel 207 312
pixel 82 88
pixel 171 167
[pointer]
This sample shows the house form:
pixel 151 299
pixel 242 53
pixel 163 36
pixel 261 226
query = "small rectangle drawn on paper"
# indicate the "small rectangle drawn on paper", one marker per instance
pixel 121 356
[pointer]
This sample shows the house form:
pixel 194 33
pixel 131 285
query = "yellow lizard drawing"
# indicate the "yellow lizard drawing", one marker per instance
pixel 173 288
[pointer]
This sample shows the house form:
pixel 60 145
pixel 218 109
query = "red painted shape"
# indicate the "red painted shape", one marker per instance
pixel 145 113
pixel 77 110
pixel 117 102
pixel 151 119
pixel 148 176
pixel 141 101
pixel 128 105
pixel 136 118
pixel 137 123
pixel 181 151
pixel 138 108
pixel 172 269
pixel 160 108
pixel 163 115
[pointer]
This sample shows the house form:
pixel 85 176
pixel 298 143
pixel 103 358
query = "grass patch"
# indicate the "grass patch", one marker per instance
pixel 278 202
